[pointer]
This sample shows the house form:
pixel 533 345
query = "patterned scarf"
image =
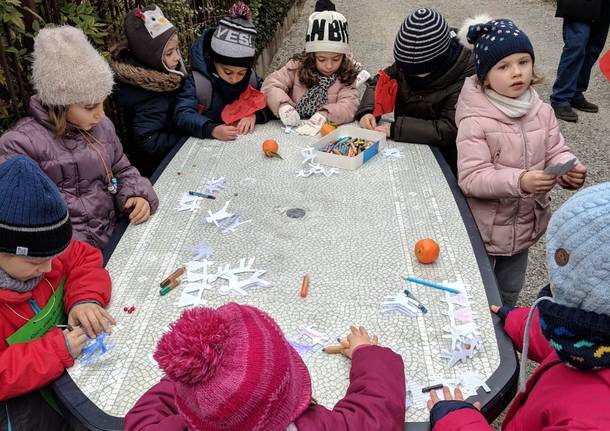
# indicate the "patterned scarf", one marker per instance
pixel 316 96
pixel 9 283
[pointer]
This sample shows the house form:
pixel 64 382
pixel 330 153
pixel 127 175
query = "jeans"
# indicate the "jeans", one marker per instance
pixel 510 275
pixel 583 42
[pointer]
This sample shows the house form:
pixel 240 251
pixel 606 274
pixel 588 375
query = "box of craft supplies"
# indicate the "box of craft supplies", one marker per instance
pixel 349 147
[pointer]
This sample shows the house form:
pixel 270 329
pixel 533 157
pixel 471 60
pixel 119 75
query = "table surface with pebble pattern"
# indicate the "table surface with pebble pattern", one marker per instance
pixel 353 234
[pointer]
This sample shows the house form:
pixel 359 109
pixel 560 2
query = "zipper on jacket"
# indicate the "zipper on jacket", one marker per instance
pixel 519 200
pixel 8 418
pixel 34 305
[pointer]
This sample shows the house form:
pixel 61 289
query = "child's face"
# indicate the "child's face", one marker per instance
pixel 84 116
pixel 24 268
pixel 511 76
pixel 328 63
pixel 230 74
pixel 171 55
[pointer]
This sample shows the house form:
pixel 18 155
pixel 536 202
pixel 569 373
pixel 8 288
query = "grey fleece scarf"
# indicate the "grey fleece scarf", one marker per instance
pixel 9 283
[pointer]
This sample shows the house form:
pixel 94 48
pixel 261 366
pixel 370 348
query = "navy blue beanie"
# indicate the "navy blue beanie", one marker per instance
pixel 34 219
pixel 495 40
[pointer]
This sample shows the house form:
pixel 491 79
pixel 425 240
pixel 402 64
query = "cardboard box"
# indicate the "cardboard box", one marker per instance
pixel 345 162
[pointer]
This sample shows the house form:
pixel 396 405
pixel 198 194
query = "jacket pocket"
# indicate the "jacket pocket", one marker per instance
pixel 542 214
pixel 484 212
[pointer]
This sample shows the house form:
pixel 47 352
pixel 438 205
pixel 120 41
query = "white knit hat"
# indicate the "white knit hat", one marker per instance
pixel 67 69
pixel 327 32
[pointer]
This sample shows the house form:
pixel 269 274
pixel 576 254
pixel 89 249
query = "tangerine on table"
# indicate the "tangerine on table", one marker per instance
pixel 427 250
pixel 327 128
pixel 270 148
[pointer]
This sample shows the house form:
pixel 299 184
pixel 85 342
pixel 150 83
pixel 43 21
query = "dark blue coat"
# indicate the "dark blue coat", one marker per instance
pixel 187 115
pixel 147 98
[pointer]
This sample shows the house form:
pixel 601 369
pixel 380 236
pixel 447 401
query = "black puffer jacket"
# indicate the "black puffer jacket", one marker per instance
pixel 583 10
pixel 426 115
pixel 148 98
pixel 30 412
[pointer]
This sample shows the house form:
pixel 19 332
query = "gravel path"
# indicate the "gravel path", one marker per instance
pixel 373 26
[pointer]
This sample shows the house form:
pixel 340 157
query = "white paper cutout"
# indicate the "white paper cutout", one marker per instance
pixel 316 168
pixel 215 185
pixel 309 155
pixel 392 154
pixel 202 251
pixel 415 397
pixel 188 203
pixel 316 336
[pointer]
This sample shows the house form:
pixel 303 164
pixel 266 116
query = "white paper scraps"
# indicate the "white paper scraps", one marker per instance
pixel 202 251
pixel 225 220
pixel 392 154
pixel 415 397
pixel 215 185
pixel 309 155
pixel 316 337
pixel 402 304
pixel 312 126
pixel 560 169
pixel 316 168
pixel 188 203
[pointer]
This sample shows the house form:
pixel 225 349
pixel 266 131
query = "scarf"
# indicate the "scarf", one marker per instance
pixel 9 283
pixel 512 107
pixel 316 97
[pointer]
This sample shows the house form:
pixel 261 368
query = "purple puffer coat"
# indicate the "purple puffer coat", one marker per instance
pixel 79 172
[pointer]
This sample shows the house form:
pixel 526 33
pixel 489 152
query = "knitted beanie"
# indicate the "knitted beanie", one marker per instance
pixel 67 69
pixel 423 42
pixel 233 41
pixel 234 370
pixel 34 219
pixel 327 30
pixel 147 32
pixel 577 324
pixel 495 40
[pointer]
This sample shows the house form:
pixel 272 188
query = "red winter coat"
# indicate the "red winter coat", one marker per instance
pixel 375 400
pixel 556 398
pixel 25 367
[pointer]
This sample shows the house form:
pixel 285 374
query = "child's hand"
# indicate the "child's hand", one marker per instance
pixel 288 115
pixel 225 132
pixel 75 341
pixel 537 182
pixel 384 128
pixel 368 122
pixel 246 124
pixel 141 209
pixel 357 337
pixel 447 394
pixel 574 179
pixel 93 318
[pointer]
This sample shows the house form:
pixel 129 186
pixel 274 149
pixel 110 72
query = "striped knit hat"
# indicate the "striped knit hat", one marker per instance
pixel 422 42
pixel 34 219
pixel 233 41
pixel 234 370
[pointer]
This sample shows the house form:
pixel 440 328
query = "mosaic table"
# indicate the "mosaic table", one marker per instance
pixel 354 241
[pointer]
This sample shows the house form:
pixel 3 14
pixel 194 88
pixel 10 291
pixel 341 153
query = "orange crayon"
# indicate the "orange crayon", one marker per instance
pixel 305 286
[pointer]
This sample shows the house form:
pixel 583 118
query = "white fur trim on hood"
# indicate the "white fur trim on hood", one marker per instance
pixel 479 19
pixel 67 69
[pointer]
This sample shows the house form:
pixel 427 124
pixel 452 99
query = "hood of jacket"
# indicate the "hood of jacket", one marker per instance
pixel 128 70
pixel 474 103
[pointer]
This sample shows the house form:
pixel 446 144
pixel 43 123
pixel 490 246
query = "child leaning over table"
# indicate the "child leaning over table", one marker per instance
pixel 319 80
pixel 72 140
pixel 43 274
pixel 506 138
pixel 222 72
pixel 232 369
pixel 569 334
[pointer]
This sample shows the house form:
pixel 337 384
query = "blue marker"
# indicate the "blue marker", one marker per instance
pixel 430 284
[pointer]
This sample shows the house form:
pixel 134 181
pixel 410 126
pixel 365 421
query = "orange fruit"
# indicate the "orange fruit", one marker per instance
pixel 270 148
pixel 427 250
pixel 327 128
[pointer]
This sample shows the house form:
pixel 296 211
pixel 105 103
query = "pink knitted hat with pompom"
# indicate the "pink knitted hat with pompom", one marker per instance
pixel 234 370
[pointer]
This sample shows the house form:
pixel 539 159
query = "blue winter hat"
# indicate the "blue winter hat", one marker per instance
pixel 495 40
pixel 34 219
pixel 578 250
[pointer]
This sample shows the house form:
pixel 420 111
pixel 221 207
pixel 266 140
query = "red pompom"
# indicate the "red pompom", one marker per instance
pixel 240 10
pixel 192 350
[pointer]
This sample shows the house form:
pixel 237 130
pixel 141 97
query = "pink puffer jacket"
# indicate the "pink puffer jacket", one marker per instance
pixel 493 152
pixel 283 86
